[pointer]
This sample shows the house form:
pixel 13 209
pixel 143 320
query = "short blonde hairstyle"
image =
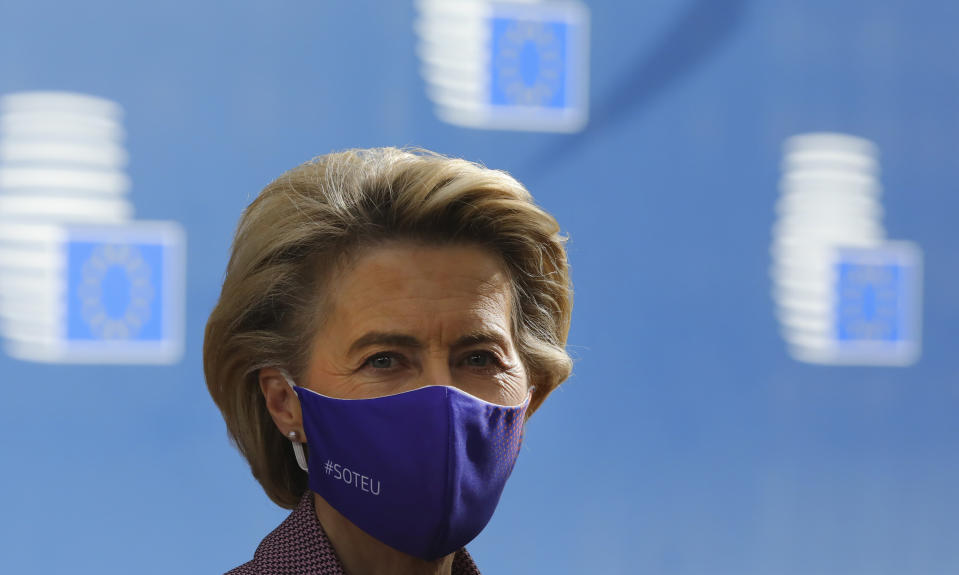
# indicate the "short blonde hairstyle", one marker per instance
pixel 308 222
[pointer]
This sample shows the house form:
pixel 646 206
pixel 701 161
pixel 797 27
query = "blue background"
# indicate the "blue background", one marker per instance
pixel 687 441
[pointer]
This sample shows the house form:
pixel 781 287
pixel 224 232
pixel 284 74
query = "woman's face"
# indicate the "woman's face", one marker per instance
pixel 405 316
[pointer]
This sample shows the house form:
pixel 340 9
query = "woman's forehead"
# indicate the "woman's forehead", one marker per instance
pixel 413 268
pixel 414 286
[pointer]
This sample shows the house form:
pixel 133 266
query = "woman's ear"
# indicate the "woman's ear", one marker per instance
pixel 281 401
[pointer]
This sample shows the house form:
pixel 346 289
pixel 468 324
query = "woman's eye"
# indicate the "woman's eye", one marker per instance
pixel 479 359
pixel 381 361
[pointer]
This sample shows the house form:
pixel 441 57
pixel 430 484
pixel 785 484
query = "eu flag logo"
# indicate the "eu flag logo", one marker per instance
pixel 870 302
pixel 124 292
pixel 530 67
pixel 877 295
pixel 506 65
pixel 105 294
pixel 115 291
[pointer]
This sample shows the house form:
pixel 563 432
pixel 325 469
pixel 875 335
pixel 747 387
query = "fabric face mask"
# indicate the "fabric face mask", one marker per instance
pixel 421 471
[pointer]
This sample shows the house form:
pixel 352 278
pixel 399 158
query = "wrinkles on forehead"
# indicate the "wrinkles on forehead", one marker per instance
pixel 414 286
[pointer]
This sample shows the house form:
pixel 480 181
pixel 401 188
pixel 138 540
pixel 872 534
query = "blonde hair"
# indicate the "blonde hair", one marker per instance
pixel 310 220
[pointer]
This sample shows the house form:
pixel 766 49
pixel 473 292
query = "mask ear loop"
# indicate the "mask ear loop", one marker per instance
pixel 297 446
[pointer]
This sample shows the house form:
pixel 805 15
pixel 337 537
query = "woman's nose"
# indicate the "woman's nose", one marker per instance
pixel 436 371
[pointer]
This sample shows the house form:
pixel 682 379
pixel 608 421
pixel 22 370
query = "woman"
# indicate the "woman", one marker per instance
pixel 388 321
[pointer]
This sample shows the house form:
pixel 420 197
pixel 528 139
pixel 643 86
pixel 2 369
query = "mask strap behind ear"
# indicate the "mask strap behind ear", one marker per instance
pixel 297 446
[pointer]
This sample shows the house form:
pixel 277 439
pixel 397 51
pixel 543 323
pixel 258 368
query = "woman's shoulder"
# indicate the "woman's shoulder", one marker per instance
pixel 296 546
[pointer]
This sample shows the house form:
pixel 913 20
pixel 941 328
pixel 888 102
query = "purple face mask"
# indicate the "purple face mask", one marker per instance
pixel 421 471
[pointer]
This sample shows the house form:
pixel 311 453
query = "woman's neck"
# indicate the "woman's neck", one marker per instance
pixel 361 554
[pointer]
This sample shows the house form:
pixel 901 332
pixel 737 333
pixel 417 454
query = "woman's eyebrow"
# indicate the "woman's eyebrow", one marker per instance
pixel 391 339
pixel 379 338
pixel 479 337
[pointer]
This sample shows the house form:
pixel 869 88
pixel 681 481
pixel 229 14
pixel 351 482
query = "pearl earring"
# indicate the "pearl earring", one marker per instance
pixel 292 435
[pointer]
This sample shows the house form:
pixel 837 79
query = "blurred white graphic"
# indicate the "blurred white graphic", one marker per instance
pixel 844 294
pixel 80 281
pixel 521 65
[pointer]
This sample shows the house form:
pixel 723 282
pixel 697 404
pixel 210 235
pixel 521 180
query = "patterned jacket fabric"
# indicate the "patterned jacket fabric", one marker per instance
pixel 299 546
